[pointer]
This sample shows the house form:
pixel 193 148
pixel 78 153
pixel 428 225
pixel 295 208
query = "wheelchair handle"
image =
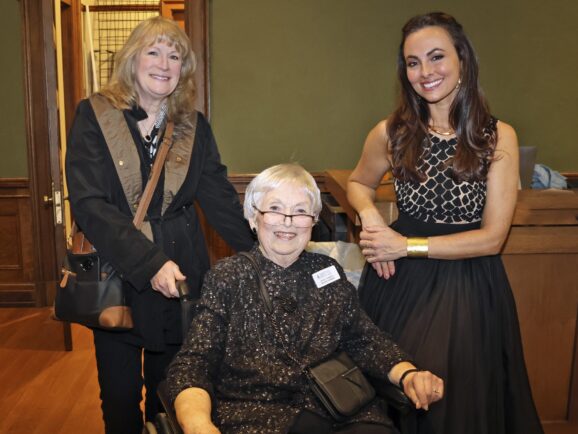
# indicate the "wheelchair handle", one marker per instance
pixel 183 289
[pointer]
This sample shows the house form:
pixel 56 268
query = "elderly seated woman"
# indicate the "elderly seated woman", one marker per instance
pixel 236 373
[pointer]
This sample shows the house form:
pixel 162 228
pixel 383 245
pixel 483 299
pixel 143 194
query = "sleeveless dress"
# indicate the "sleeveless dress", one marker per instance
pixel 456 317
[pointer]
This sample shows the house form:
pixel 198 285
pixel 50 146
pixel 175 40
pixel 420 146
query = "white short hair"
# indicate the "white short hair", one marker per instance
pixel 271 178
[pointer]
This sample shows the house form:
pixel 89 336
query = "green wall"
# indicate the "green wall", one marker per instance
pixel 13 162
pixel 305 80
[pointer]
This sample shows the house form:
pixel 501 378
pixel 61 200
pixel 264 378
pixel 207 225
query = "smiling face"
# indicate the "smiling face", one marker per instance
pixel 283 243
pixel 432 64
pixel 157 73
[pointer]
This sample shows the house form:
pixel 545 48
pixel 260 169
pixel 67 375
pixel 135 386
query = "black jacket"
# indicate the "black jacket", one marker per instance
pixel 102 211
pixel 240 358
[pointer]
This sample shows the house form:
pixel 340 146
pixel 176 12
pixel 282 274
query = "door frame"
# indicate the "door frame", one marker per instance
pixel 197 27
pixel 41 126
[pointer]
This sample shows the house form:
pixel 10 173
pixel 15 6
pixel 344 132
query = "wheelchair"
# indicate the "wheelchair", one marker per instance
pixel 397 405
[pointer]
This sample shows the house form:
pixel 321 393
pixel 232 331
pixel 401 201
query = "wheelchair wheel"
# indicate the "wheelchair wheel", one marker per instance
pixel 150 428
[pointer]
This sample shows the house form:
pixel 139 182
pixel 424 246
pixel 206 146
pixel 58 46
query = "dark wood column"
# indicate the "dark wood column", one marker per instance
pixel 41 135
pixel 197 27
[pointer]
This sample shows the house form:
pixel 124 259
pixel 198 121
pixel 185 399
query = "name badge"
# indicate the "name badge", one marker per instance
pixel 326 276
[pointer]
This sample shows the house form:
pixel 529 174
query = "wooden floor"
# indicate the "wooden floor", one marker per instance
pixel 46 390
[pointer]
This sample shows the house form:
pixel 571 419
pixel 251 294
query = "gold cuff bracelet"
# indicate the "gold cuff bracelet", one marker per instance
pixel 417 247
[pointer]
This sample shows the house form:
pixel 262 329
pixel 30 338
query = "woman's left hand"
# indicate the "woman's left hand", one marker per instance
pixel 381 244
pixel 166 279
pixel 423 388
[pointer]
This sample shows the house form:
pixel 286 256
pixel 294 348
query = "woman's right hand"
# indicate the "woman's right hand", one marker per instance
pixel 372 218
pixel 166 278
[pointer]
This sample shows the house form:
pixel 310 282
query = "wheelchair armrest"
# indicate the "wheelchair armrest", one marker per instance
pixel 169 423
pixel 393 395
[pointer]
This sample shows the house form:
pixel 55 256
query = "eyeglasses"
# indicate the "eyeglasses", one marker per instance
pixel 275 218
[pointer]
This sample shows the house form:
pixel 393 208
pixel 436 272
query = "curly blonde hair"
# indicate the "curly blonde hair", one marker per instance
pixel 121 89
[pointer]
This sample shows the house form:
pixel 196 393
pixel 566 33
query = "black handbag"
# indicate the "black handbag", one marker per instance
pixel 341 386
pixel 337 382
pixel 91 292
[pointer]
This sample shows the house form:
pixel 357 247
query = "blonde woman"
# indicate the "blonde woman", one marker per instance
pixel 151 84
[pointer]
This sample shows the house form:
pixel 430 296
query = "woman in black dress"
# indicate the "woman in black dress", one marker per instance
pixel 435 280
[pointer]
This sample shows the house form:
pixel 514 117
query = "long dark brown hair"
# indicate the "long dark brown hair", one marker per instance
pixel 469 116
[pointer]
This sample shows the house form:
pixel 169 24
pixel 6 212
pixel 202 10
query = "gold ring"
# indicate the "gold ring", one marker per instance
pixel 436 391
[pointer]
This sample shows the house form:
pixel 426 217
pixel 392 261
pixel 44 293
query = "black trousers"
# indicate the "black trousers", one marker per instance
pixel 307 423
pixel 123 370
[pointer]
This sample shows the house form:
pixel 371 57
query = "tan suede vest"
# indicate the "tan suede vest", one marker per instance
pixel 126 159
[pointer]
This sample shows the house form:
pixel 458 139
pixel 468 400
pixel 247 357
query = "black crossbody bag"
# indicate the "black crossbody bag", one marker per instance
pixel 337 382
pixel 91 292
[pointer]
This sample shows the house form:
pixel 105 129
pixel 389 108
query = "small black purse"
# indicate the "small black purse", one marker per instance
pixel 340 386
pixel 337 382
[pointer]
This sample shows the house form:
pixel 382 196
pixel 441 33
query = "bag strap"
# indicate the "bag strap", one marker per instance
pixel 81 245
pixel 269 307
pixel 262 289
pixel 154 176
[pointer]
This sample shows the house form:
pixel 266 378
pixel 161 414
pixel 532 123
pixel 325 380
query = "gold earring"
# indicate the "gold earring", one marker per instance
pixel 459 83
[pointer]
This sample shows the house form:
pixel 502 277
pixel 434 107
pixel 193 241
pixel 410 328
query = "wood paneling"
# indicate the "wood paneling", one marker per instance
pixel 549 239
pixel 73 78
pixel 197 27
pixel 541 259
pixel 17 286
pixel 546 292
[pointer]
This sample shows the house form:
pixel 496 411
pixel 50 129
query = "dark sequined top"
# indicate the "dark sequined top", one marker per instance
pixel 231 350
pixel 440 199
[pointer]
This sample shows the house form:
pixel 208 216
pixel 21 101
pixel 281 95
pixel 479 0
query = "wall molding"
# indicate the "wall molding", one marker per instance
pixel 8 183
pixel 17 272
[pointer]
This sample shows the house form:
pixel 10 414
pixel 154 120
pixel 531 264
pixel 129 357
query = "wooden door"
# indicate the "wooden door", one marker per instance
pixel 175 10
pixel 42 137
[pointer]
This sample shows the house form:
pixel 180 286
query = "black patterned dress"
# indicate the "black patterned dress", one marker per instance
pixel 456 317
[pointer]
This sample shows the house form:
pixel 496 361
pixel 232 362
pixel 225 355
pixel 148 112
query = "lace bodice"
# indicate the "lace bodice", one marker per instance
pixel 439 199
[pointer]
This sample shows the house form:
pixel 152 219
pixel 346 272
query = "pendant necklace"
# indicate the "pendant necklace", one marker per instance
pixel 151 138
pixel 147 136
